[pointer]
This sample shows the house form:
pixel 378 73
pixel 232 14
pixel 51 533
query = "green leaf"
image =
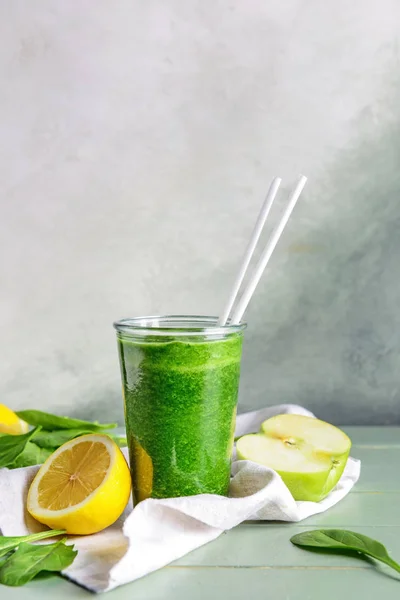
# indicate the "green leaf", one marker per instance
pixel 11 446
pixel 120 440
pixel 55 439
pixel 344 540
pixel 7 544
pixel 32 455
pixel 3 559
pixel 29 560
pixel 50 422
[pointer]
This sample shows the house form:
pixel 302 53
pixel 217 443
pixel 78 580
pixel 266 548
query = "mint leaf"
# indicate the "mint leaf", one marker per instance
pixel 344 540
pixel 11 446
pixel 7 543
pixel 29 560
pixel 50 422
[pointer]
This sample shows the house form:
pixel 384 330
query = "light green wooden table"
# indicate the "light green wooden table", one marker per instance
pixel 256 560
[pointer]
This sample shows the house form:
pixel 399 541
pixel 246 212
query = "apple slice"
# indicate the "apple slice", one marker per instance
pixel 310 455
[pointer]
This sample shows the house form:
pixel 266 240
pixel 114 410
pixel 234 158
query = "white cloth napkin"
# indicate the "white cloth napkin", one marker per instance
pixel 156 532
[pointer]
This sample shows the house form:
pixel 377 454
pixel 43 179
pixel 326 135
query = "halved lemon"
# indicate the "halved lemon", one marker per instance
pixel 83 487
pixel 10 422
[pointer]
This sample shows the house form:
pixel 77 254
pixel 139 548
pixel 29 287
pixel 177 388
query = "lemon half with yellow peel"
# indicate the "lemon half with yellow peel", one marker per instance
pixel 10 422
pixel 83 487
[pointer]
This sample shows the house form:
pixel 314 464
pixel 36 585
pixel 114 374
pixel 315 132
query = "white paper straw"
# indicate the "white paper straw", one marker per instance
pixel 267 253
pixel 262 217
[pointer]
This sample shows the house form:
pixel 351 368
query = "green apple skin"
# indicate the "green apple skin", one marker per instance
pixel 309 467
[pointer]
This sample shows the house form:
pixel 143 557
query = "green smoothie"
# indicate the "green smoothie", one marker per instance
pixel 180 396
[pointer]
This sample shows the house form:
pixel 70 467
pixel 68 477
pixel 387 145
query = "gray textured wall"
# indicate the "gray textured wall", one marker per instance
pixel 137 142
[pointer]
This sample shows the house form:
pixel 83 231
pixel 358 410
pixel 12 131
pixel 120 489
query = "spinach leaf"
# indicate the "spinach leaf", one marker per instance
pixel 3 559
pixel 55 439
pixel 50 422
pixel 31 455
pixel 29 560
pixel 7 544
pixel 11 446
pixel 120 440
pixel 344 540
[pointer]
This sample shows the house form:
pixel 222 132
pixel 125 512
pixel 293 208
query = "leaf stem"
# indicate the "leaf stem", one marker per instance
pixel 42 535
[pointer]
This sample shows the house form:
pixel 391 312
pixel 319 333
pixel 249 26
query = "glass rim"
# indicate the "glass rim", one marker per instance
pixel 176 325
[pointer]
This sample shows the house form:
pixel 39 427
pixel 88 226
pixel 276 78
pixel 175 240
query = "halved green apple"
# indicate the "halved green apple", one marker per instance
pixel 310 455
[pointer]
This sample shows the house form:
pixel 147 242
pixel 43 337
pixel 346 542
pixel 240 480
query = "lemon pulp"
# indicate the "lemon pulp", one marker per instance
pixel 74 475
